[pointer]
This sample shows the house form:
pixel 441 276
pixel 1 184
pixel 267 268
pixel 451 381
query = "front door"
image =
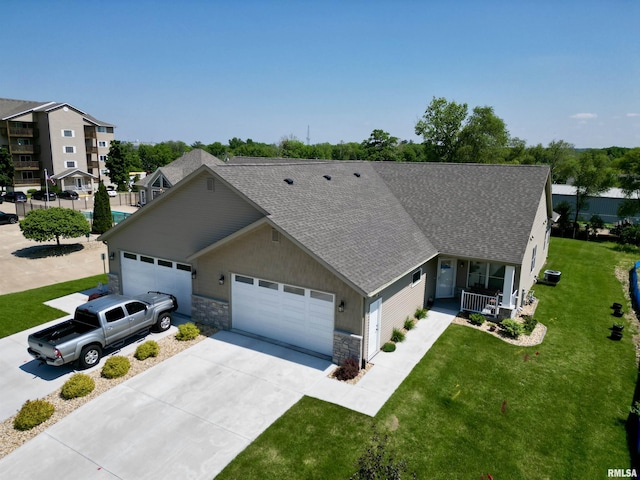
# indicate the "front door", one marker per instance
pixel 375 319
pixel 446 281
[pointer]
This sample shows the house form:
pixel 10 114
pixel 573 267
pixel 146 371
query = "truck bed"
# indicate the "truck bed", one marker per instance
pixel 63 332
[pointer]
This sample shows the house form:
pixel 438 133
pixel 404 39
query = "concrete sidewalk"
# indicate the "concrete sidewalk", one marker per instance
pixel 189 416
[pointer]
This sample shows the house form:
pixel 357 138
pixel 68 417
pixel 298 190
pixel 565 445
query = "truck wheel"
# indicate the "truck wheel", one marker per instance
pixel 90 356
pixel 164 322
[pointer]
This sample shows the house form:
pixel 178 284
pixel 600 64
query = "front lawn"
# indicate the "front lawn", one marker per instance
pixel 22 310
pixel 475 405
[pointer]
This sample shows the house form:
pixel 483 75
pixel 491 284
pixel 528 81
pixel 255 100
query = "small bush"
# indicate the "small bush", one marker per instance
pixel 529 323
pixel 79 385
pixel 397 335
pixel 187 331
pixel 477 318
pixel 389 347
pixel 348 370
pixel 512 328
pixel 147 349
pixel 380 461
pixel 420 313
pixel 32 414
pixel 409 323
pixel 116 367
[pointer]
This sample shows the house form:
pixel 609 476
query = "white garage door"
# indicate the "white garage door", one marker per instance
pixel 294 315
pixel 141 274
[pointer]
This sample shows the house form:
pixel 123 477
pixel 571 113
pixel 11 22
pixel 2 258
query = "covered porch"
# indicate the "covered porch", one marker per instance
pixel 77 180
pixel 479 286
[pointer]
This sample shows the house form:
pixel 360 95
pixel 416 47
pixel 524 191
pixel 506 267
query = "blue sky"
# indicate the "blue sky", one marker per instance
pixel 212 70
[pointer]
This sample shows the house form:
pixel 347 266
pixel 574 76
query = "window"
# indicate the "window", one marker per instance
pixel 486 275
pixel 183 267
pixel 275 235
pixel 70 164
pixel 68 133
pixel 103 158
pixel 265 284
pixel 211 184
pixel 496 276
pixel 102 143
pixel 165 263
pixel 321 296
pixel 533 258
pixel 114 315
pixel 477 274
pixel 146 259
pixel 416 277
pixel 135 307
pixel 27 175
pixel 102 129
pixel 25 158
pixel 241 279
pixel 69 149
pixel 130 256
pixel 294 290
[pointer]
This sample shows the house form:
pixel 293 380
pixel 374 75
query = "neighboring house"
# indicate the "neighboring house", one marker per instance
pixel 68 143
pixel 331 256
pixel 158 182
pixel 605 205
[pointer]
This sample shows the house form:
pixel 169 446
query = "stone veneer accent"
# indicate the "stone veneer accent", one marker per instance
pixel 346 345
pixel 210 312
pixel 114 283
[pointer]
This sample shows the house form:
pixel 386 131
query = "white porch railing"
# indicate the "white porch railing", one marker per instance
pixel 478 303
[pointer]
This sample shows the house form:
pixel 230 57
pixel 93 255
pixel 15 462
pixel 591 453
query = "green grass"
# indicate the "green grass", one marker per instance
pixel 23 310
pixel 476 405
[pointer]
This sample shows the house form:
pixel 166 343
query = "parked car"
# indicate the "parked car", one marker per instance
pixel 69 195
pixel 15 197
pixel 42 195
pixel 8 218
pixel 1 199
pixel 111 191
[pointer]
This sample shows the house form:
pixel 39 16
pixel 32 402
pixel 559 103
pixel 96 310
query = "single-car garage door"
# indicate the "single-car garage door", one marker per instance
pixel 141 274
pixel 294 315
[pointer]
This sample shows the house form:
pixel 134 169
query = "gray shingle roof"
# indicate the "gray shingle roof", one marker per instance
pixel 10 107
pixel 470 210
pixel 354 225
pixel 261 160
pixel 183 166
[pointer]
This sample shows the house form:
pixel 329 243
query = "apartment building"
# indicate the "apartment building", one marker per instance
pixel 68 144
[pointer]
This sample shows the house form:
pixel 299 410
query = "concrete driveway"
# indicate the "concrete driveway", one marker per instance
pixel 185 418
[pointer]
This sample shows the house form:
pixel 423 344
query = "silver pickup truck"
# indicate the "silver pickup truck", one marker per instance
pixel 106 321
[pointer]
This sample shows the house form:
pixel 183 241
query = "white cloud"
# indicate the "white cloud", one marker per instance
pixel 584 116
pixel 633 114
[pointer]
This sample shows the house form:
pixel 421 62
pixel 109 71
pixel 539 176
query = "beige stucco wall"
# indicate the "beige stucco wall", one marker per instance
pixel 70 119
pixel 255 254
pixel 183 222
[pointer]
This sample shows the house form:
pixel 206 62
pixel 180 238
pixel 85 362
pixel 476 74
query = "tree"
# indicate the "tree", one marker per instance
pixel 630 183
pixel 380 146
pixel 558 156
pixel 46 224
pixel 483 138
pixel 6 168
pixel 592 176
pixel 122 158
pixel 102 219
pixel 440 127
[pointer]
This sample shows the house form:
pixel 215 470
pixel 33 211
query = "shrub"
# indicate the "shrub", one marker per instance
pixel 512 328
pixel 115 367
pixel 348 370
pixel 187 331
pixel 409 323
pixel 529 323
pixel 32 414
pixel 397 335
pixel 78 385
pixel 389 347
pixel 147 349
pixel 477 318
pixel 379 461
pixel 420 313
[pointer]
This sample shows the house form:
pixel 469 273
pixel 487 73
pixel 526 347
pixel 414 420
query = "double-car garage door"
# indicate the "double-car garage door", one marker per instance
pixel 294 315
pixel 141 273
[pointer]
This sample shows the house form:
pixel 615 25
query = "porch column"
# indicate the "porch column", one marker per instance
pixel 507 286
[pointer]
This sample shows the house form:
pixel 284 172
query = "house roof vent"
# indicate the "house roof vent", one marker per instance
pixel 328 177
pixel 289 181
pixel 357 174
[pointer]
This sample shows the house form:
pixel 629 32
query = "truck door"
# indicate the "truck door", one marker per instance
pixel 137 312
pixel 116 326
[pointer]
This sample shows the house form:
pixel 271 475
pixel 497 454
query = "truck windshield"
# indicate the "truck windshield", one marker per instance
pixel 87 318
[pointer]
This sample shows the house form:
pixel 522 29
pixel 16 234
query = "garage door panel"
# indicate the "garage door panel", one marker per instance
pixel 283 312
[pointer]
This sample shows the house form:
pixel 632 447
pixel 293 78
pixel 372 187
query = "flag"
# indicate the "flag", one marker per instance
pixel 53 182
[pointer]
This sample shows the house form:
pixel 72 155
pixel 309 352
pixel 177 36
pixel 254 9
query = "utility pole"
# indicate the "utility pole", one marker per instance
pixel 308 138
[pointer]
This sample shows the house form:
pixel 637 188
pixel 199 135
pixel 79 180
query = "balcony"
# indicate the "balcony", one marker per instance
pixel 28 149
pixel 26 181
pixel 90 132
pixel 93 164
pixel 27 165
pixel 92 150
pixel 31 132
